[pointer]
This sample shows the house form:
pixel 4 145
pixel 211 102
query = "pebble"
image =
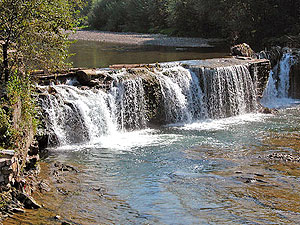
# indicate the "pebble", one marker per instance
pixel 57 217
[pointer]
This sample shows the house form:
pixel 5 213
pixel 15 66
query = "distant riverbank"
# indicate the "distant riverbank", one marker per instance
pixel 143 39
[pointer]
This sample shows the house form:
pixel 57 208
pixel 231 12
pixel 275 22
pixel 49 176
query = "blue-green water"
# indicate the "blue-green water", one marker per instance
pixel 211 172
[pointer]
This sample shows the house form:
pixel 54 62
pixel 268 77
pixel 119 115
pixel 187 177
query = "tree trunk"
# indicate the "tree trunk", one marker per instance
pixel 5 61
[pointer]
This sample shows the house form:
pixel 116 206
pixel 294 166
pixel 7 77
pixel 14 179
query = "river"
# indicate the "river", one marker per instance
pixel 94 54
pixel 204 171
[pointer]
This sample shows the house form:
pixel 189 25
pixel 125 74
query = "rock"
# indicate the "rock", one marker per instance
pixel 294 91
pixel 84 77
pixel 52 90
pixel 62 191
pixel 18 210
pixel 248 180
pixel 284 157
pixel 64 167
pixel 28 201
pixel 238 172
pixel 259 175
pixel 274 55
pixel 34 148
pixel 266 110
pixel 3 162
pixel 57 217
pixel 31 162
pixel 44 186
pixel 242 50
pixel 65 223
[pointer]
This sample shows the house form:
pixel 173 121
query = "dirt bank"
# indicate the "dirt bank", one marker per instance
pixel 142 39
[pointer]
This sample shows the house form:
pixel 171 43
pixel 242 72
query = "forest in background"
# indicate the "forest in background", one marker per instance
pixel 265 21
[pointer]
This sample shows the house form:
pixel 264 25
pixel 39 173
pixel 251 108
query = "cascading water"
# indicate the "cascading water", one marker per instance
pixel 182 95
pixel 79 115
pixel 229 91
pixel 276 93
pixel 76 115
pixel 130 108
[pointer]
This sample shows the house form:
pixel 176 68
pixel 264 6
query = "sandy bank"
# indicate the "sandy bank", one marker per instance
pixel 142 39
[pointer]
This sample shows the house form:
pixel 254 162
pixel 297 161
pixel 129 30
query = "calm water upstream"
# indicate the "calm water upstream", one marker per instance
pixel 93 54
pixel 208 171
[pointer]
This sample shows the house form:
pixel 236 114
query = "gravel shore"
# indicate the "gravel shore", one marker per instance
pixel 142 39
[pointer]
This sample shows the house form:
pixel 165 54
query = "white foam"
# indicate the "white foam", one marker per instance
pixel 126 141
pixel 222 124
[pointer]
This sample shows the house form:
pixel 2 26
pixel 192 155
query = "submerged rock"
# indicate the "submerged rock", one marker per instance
pixel 64 167
pixel 248 180
pixel 284 157
pixel 266 110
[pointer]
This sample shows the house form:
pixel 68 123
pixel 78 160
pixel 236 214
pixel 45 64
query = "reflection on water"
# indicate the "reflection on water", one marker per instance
pixel 93 54
pixel 186 175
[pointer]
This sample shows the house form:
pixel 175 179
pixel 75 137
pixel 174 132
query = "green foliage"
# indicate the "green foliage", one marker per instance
pixel 4 128
pixel 33 35
pixel 35 29
pixel 239 20
pixel 17 112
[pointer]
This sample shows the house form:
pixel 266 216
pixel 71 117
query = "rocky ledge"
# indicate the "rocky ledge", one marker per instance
pixel 101 78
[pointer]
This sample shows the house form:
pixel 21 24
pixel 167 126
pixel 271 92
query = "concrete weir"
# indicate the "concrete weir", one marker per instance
pixel 97 102
pixel 258 68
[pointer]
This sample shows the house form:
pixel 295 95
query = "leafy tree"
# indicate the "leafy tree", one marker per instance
pixel 238 20
pixel 108 15
pixel 35 31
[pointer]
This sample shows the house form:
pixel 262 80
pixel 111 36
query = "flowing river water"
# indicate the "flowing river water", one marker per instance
pixel 200 168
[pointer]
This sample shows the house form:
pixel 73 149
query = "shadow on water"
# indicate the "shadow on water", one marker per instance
pixel 93 54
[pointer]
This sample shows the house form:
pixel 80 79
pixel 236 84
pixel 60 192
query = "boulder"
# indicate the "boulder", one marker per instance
pixel 28 201
pixel 243 50
pixel 84 77
pixel 274 54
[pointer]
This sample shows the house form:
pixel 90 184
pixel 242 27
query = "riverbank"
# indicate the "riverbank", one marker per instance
pixel 144 39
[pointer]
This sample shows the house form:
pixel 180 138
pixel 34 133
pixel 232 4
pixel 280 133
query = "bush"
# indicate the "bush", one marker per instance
pixel 17 112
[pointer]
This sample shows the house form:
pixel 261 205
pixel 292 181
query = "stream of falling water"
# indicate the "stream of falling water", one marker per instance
pixel 277 90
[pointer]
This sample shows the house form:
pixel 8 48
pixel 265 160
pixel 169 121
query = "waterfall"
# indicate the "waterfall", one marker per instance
pixel 162 95
pixel 129 100
pixel 79 115
pixel 229 91
pixel 276 93
pixel 182 95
